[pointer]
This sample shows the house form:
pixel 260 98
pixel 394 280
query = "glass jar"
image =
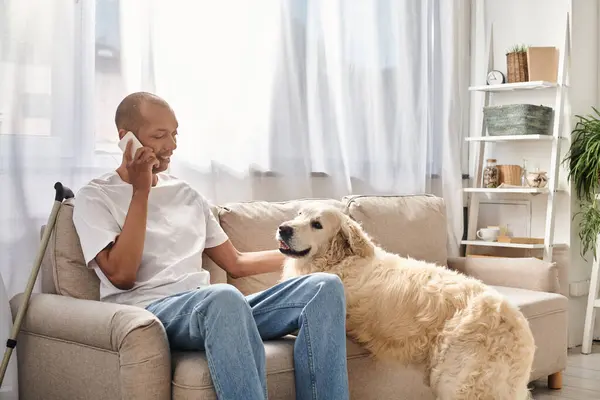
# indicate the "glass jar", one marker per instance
pixel 490 174
pixel 524 174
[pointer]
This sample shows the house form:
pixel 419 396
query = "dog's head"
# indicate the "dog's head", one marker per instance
pixel 323 231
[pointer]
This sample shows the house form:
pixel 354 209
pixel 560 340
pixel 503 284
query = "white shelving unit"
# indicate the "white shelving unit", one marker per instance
pixel 556 138
pixel 526 190
pixel 499 244
pixel 515 138
pixel 514 86
pixel 593 303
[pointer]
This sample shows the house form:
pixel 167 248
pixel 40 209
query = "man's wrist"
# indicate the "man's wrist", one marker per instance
pixel 141 193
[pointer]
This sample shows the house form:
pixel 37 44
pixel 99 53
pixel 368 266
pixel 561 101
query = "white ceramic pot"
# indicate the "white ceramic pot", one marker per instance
pixel 9 389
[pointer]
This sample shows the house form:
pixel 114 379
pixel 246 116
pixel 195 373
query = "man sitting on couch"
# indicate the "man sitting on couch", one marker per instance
pixel 144 231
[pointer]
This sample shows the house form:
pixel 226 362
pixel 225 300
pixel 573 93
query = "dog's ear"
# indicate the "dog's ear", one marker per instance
pixel 357 240
pixel 338 249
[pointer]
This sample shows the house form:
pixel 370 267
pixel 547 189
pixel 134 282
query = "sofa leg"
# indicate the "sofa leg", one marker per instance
pixel 555 381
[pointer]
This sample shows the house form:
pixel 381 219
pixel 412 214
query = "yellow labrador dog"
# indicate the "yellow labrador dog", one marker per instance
pixel 473 343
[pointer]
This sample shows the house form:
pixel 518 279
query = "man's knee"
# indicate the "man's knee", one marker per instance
pixel 330 285
pixel 227 297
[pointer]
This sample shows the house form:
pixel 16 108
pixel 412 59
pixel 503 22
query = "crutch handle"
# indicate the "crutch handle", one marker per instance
pixel 62 192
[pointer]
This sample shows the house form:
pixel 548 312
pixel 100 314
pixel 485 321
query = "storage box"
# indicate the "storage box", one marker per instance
pixel 542 64
pixel 517 119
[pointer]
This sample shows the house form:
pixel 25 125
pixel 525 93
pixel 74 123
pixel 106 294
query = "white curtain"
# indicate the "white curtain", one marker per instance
pixel 276 100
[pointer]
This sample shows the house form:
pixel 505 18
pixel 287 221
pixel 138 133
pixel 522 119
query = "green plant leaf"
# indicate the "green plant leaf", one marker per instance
pixel 589 227
pixel 518 48
pixel 583 158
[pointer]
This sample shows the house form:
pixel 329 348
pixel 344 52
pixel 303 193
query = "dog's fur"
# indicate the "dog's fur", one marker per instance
pixel 474 344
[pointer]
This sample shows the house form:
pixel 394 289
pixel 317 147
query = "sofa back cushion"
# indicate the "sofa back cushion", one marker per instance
pixel 251 226
pixel 410 225
pixel 63 267
pixel 407 225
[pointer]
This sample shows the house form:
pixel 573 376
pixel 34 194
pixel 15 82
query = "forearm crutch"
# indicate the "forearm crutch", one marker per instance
pixel 62 193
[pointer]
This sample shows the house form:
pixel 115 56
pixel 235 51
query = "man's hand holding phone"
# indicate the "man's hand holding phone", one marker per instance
pixel 139 166
pixel 120 261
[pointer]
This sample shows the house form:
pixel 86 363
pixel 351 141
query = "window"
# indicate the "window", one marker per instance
pixel 367 84
pixel 108 77
pixel 26 71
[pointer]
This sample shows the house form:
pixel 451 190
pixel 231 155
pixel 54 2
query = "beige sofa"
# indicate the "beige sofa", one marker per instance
pixel 72 346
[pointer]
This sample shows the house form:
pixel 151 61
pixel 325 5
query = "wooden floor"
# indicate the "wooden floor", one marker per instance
pixel 581 379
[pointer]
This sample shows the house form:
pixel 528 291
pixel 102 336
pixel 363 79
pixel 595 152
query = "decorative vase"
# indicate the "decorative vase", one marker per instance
pixel 516 63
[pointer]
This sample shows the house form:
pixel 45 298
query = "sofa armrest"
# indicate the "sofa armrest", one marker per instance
pixel 133 335
pixel 523 273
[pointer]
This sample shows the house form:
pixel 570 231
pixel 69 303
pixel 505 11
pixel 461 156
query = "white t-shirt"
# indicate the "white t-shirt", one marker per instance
pixel 179 227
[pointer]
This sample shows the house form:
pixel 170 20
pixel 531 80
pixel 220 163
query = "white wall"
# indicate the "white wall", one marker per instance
pixel 542 23
pixel 585 17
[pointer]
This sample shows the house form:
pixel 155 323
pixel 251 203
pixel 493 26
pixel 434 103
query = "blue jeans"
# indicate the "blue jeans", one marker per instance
pixel 231 328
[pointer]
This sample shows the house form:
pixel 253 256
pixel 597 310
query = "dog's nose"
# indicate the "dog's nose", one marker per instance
pixel 285 231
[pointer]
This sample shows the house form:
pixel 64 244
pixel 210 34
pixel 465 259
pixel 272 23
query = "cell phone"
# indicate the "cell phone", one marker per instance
pixel 135 145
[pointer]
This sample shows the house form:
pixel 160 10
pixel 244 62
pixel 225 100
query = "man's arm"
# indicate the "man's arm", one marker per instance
pixel 239 264
pixel 120 261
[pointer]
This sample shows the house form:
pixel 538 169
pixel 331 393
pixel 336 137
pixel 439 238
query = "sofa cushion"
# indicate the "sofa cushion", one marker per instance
pixel 190 370
pixel 64 265
pixel 369 380
pixel 516 272
pixel 410 225
pixel 534 304
pixel 251 226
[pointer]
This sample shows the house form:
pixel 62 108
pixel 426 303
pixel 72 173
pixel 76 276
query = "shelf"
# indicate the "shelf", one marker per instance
pixel 509 245
pixel 514 86
pixel 506 190
pixel 502 244
pixel 511 138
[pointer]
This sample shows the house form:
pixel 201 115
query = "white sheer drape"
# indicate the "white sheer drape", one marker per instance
pixel 276 100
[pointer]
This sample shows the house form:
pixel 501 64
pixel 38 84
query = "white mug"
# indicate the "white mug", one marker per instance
pixel 488 234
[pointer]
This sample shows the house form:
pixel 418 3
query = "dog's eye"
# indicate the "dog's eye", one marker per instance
pixel 317 225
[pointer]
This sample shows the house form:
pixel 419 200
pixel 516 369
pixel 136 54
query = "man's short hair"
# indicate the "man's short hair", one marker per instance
pixel 128 115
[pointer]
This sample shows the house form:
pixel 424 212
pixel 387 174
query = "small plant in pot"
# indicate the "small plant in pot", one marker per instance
pixel 583 164
pixel 516 64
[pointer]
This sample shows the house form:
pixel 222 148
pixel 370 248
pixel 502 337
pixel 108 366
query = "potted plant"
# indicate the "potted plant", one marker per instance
pixel 583 164
pixel 516 64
